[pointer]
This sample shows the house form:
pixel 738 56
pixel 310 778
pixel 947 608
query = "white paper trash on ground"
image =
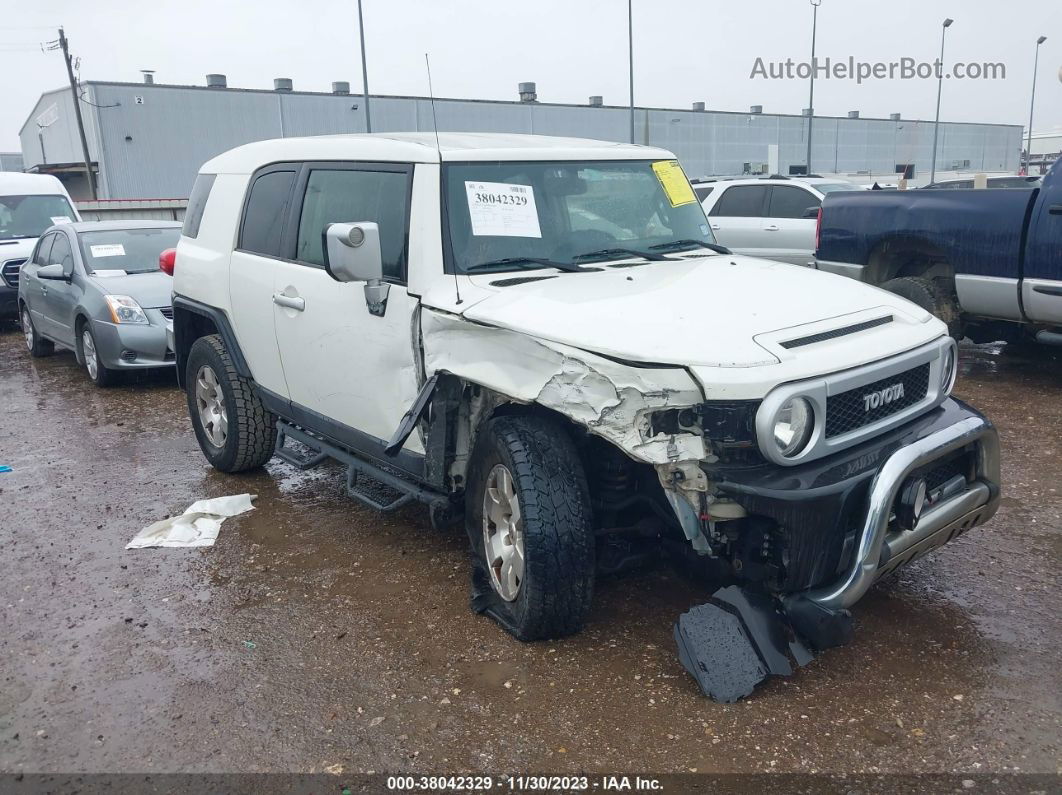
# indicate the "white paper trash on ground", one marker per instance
pixel 198 526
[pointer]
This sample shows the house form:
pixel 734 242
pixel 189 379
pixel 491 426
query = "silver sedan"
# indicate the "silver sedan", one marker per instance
pixel 96 288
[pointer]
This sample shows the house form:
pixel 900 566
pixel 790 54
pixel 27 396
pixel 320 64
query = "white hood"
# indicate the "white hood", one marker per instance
pixel 19 248
pixel 705 312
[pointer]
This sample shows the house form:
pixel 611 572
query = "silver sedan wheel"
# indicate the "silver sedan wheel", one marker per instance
pixel 27 328
pixel 503 533
pixel 210 401
pixel 88 348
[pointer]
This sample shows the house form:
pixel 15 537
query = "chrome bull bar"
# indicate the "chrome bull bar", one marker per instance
pixel 975 505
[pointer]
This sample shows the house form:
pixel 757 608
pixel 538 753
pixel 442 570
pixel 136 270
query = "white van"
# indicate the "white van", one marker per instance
pixel 29 204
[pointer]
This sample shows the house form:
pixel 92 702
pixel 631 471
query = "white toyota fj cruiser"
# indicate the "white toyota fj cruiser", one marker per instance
pixel 541 337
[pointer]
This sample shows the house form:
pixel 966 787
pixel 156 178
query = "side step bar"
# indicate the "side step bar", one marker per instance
pixel 321 451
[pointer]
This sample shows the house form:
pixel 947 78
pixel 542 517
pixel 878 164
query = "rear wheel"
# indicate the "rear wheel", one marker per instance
pixel 37 345
pixel 529 520
pixel 234 430
pixel 932 297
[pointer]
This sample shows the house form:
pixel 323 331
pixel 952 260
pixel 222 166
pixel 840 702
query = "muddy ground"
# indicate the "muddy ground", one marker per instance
pixel 318 635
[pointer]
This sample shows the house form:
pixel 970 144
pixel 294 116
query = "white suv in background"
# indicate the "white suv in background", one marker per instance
pixel 540 337
pixel 772 217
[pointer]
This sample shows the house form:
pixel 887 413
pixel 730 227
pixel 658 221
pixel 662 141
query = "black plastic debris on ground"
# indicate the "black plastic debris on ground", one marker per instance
pixel 734 641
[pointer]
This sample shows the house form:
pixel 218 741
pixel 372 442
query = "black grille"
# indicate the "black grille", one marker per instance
pixel 167 312
pixel 10 272
pixel 848 411
pixel 837 332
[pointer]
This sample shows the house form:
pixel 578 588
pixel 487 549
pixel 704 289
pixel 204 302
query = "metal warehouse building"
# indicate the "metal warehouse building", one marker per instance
pixel 148 140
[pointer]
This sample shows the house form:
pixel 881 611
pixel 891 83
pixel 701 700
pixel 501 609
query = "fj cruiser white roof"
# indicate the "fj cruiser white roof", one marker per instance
pixel 422 148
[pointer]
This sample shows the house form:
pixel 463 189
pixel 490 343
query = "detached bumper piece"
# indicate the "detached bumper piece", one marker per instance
pixel 738 638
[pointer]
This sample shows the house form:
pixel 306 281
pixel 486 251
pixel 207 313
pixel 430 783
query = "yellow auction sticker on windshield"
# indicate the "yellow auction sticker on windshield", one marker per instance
pixel 673 181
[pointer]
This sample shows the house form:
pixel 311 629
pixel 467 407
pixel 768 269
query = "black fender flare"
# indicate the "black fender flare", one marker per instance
pixel 183 339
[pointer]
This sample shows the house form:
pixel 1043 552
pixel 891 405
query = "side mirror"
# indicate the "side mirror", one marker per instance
pixel 811 212
pixel 352 254
pixel 52 273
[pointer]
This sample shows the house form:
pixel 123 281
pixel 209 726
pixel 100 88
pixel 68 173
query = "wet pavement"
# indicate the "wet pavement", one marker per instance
pixel 318 635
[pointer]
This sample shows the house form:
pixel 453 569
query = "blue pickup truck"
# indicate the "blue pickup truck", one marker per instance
pixel 987 262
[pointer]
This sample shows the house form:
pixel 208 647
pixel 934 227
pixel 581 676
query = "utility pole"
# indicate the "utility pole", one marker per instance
pixel 811 97
pixel 630 54
pixel 364 70
pixel 940 84
pixel 76 95
pixel 1032 103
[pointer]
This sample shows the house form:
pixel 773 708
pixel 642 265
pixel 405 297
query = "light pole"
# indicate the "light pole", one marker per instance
pixel 630 54
pixel 940 84
pixel 364 70
pixel 1032 104
pixel 811 97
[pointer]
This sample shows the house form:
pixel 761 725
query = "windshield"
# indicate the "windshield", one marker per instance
pixel 830 187
pixel 511 214
pixel 126 250
pixel 29 216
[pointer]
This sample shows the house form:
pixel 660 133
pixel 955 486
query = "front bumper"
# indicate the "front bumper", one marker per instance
pixel 837 512
pixel 8 302
pixel 129 346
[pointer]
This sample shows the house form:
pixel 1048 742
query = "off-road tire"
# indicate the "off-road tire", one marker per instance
pixel 40 346
pixel 554 499
pixel 252 431
pixel 932 297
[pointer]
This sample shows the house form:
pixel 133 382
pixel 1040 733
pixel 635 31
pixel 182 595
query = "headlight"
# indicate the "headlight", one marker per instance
pixel 793 426
pixel 948 371
pixel 125 310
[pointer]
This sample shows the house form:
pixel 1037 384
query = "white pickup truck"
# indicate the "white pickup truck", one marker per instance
pixel 540 337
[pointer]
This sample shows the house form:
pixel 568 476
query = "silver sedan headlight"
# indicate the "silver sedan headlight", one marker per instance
pixel 793 425
pixel 125 310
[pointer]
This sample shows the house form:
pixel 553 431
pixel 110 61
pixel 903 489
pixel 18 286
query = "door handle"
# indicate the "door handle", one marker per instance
pixel 1055 209
pixel 289 302
pixel 770 228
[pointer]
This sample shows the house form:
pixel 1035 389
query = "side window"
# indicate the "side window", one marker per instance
pixel 61 254
pixel 264 215
pixel 702 193
pixel 790 202
pixel 346 195
pixel 741 201
pixel 193 215
pixel 44 249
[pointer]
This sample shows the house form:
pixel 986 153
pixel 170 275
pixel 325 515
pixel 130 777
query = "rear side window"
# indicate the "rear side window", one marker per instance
pixel 790 202
pixel 264 214
pixel 193 215
pixel 702 193
pixel 346 195
pixel 741 201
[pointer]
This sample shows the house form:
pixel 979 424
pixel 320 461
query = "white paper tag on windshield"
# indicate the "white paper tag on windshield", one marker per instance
pixel 60 219
pixel 104 274
pixel 501 209
pixel 108 250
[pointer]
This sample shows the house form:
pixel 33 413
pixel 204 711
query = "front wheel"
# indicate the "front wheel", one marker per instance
pixel 100 374
pixel 529 520
pixel 234 430
pixel 35 343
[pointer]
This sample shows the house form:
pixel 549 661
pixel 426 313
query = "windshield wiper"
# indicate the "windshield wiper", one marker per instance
pixel 616 253
pixel 526 263
pixel 675 245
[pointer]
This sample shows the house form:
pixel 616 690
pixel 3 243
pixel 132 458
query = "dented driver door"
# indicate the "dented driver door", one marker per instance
pixel 351 374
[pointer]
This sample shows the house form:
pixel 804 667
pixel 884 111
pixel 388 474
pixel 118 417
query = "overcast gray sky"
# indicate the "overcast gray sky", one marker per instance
pixel 685 50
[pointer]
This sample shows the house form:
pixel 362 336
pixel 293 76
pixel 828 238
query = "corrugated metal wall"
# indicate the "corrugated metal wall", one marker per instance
pixel 156 137
pixel 10 161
